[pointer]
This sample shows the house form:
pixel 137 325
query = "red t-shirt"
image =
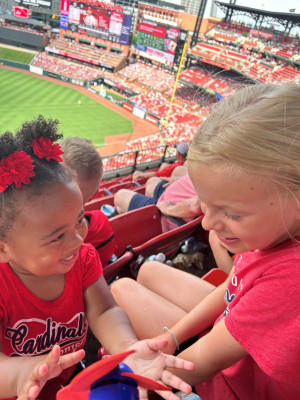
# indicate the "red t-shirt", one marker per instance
pixel 263 315
pixel 167 171
pixel 31 326
pixel 100 235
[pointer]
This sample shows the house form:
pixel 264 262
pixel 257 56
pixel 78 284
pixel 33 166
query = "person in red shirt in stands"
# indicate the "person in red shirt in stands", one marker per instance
pixel 166 169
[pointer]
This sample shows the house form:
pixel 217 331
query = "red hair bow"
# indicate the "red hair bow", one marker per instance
pixel 17 168
pixel 44 148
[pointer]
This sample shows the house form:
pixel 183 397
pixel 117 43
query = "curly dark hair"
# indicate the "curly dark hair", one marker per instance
pixel 47 173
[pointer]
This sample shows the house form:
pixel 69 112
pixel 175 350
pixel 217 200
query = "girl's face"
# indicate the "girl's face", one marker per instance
pixel 247 214
pixel 47 235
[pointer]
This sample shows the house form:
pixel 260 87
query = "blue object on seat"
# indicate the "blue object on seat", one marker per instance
pixel 107 192
pixel 108 210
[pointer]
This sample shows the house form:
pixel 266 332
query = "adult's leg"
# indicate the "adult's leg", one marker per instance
pixel 170 295
pixel 122 200
pixel 151 185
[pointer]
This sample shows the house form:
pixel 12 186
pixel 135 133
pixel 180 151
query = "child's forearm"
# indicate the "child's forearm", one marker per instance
pixel 202 316
pixel 25 377
pixel 211 354
pixel 12 375
pixel 114 330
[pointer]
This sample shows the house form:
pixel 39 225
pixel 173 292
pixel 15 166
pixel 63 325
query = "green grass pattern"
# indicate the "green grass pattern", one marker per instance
pixel 23 97
pixel 15 55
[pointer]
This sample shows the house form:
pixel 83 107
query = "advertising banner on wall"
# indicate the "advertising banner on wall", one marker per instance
pixel 35 3
pixel 21 12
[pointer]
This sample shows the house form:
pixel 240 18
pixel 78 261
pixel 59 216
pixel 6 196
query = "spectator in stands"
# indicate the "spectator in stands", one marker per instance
pixel 166 169
pixel 178 200
pixel 52 284
pixel 248 181
pixel 85 161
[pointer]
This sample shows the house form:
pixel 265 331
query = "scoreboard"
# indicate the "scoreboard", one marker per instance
pixel 157 41
pixel 96 21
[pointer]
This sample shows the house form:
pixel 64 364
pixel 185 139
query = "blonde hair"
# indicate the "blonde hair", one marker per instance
pixel 256 131
pixel 81 156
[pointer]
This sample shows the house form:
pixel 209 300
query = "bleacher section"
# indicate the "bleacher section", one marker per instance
pixel 146 90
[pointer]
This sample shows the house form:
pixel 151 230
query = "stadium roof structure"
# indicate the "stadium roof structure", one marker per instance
pixel 287 20
pixel 27 21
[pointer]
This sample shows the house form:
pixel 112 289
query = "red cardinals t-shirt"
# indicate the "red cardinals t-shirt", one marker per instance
pixel 263 315
pixel 31 326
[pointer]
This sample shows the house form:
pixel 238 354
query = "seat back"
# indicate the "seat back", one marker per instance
pixel 139 189
pixel 167 243
pixel 100 193
pixel 96 204
pixel 110 271
pixel 136 227
pixel 124 185
pixel 215 276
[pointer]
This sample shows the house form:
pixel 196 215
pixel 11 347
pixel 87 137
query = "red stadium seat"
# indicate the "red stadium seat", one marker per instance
pixel 139 189
pixel 96 204
pixel 142 181
pixel 215 276
pixel 123 185
pixel 167 243
pixel 100 193
pixel 136 227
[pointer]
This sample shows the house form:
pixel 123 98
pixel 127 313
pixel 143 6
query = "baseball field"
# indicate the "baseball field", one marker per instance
pixel 23 97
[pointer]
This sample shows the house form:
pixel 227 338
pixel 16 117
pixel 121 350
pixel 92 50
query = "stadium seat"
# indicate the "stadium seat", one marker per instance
pixel 168 243
pixel 100 193
pixel 136 227
pixel 142 181
pixel 139 189
pixel 96 204
pixel 124 185
pixel 215 276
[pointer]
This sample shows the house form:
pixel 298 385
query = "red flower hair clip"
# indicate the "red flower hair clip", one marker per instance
pixel 43 147
pixel 16 168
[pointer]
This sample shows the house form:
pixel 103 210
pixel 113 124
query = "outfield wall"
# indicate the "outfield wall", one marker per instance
pixel 14 64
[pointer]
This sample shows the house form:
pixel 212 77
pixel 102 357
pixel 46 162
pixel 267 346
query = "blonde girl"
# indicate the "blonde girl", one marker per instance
pixel 245 166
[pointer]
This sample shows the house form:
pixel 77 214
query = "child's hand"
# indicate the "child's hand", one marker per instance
pixel 36 377
pixel 171 347
pixel 150 362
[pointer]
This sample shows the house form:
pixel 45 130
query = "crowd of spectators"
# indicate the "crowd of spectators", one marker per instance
pixel 65 67
pixel 260 59
pixel 151 76
pixel 87 53
pixel 23 27
pixel 149 100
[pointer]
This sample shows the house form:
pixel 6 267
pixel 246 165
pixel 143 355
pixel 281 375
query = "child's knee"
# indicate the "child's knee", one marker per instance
pixel 121 286
pixel 148 272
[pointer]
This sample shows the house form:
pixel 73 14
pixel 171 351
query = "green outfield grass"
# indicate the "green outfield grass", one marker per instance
pixel 15 55
pixel 23 97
